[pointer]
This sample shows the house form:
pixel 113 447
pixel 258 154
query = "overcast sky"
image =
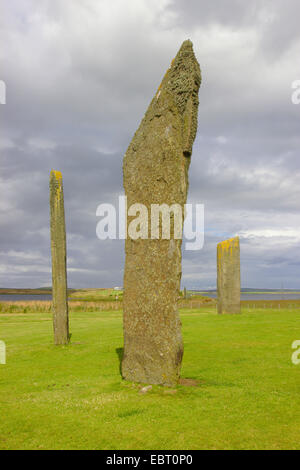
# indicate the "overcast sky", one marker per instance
pixel 80 75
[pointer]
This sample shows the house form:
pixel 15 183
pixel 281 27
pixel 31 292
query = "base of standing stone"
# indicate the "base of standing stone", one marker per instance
pixel 147 361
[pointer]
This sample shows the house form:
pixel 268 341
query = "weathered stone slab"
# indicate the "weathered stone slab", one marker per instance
pixel 156 172
pixel 59 264
pixel 229 281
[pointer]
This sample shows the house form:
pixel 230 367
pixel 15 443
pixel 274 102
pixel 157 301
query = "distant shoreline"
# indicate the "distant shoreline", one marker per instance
pixel 107 295
pixel 41 291
pixel 48 290
pixel 254 291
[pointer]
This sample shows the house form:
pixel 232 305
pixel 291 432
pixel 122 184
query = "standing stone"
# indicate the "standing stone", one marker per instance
pixel 229 281
pixel 185 293
pixel 155 171
pixel 59 265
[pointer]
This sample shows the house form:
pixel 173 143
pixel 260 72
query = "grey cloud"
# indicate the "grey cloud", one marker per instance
pixel 232 13
pixel 79 78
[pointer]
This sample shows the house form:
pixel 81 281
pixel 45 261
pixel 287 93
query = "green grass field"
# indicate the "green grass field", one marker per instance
pixel 73 397
pixel 94 295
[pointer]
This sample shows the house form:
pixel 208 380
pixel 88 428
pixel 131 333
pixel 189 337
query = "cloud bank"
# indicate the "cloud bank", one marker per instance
pixel 79 77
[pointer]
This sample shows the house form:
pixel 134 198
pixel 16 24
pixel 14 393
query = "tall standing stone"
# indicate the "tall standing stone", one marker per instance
pixel 59 264
pixel 229 280
pixel 155 171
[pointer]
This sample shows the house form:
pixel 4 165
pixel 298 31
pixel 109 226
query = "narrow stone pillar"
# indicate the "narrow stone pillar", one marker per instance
pixel 59 263
pixel 155 171
pixel 229 281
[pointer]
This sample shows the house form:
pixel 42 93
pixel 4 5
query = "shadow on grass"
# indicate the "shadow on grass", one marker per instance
pixel 120 352
pixel 127 414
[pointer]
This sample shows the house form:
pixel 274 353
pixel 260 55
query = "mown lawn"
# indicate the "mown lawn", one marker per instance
pixel 73 397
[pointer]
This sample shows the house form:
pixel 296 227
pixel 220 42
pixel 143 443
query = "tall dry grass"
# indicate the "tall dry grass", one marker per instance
pixel 38 306
pixel 34 306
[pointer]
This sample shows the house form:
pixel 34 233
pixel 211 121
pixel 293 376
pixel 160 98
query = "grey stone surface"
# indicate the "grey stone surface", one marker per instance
pixel 59 265
pixel 155 171
pixel 229 282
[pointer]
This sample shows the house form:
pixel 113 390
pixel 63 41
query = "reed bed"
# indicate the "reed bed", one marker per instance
pixel 273 304
pixel 34 306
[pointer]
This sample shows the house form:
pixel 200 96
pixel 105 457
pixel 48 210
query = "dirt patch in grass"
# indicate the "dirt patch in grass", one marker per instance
pixel 188 382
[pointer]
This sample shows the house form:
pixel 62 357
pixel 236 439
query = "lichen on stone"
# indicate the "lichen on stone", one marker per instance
pixel 155 171
pixel 228 276
pixel 58 254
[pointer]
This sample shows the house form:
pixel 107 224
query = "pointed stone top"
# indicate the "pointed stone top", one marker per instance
pixel 184 74
pixel 187 44
pixel 182 81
